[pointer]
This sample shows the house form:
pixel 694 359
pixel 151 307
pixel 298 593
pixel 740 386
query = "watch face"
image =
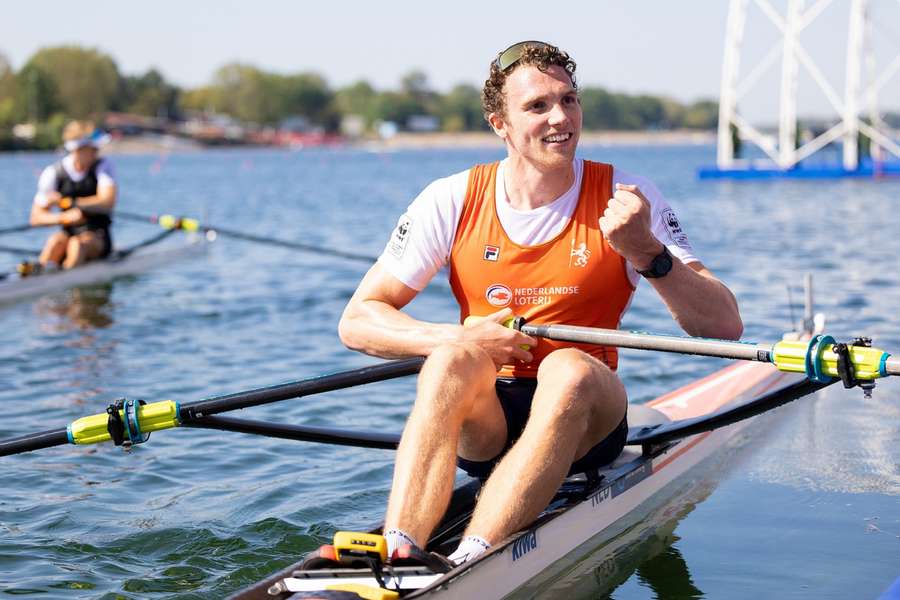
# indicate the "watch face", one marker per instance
pixel 661 265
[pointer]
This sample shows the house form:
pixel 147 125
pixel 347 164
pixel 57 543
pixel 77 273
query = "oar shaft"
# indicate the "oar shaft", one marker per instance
pixel 645 341
pixel 300 433
pixel 304 387
pixel 194 225
pixel 34 441
pixel 17 228
pixel 892 366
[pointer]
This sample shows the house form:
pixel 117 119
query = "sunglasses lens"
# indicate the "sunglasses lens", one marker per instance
pixel 511 55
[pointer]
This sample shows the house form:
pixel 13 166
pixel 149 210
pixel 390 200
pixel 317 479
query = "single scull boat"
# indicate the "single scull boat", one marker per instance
pixel 15 286
pixel 586 510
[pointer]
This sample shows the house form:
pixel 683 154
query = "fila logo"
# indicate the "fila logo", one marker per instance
pixel 492 253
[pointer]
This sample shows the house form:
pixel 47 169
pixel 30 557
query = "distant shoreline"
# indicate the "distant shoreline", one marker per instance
pixel 478 139
pixel 163 144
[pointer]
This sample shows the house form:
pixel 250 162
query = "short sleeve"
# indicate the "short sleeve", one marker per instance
pixel 46 184
pixel 420 243
pixel 664 222
pixel 106 173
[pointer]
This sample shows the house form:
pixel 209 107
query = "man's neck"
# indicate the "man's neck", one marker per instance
pixel 529 187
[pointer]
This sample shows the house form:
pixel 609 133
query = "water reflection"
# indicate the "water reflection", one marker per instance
pixel 644 549
pixel 76 320
pixel 81 308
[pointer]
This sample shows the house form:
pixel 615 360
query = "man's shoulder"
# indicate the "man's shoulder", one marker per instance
pixel 447 188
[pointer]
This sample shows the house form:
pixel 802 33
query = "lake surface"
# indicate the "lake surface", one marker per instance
pixel 810 508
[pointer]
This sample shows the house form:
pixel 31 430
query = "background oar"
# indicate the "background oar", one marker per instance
pixel 167 414
pixel 17 228
pixel 194 225
pixel 18 250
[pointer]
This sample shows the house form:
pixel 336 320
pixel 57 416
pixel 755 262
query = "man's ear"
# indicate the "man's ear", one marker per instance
pixel 495 120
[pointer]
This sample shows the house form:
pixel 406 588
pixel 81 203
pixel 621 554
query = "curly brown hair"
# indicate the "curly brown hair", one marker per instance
pixel 540 55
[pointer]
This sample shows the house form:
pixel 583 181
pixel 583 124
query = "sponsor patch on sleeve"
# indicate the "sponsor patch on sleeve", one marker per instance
pixel 400 237
pixel 673 226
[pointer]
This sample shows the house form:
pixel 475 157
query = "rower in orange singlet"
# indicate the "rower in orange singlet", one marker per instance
pixel 543 235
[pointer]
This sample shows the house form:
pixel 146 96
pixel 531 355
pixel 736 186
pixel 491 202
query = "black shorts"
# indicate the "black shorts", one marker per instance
pixel 515 399
pixel 103 232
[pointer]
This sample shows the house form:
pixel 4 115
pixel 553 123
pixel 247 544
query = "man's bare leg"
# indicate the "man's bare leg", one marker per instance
pixel 578 402
pixel 54 249
pixel 81 248
pixel 455 392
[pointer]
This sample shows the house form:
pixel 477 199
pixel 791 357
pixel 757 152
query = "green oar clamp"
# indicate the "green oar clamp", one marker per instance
pixel 824 360
pixel 842 363
pixel 126 422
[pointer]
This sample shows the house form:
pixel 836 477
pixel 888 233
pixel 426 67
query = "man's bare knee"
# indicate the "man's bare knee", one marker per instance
pixel 452 376
pixel 570 367
pixel 582 385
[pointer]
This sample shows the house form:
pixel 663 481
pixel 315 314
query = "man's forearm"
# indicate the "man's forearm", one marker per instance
pixel 100 203
pixel 701 304
pixel 378 329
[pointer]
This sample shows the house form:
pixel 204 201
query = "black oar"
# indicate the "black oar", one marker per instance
pixel 18 250
pixel 194 225
pixel 130 424
pixel 301 433
pixel 17 228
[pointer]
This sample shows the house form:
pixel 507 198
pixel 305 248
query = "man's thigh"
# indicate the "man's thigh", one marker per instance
pixel 92 244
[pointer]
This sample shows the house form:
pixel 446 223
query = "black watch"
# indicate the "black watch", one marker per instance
pixel 660 266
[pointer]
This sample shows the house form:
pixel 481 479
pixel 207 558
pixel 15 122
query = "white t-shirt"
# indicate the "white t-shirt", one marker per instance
pixel 420 244
pixel 47 183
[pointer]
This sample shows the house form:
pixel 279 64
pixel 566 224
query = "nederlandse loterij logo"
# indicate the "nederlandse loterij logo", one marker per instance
pixel 498 295
pixel 491 253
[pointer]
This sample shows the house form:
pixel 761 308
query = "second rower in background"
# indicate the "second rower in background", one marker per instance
pixel 79 194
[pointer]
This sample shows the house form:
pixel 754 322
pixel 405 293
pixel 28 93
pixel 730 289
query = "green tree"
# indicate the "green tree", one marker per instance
pixel 198 99
pixel 357 99
pixel 86 81
pixel 8 91
pixel 601 109
pixel 38 94
pixel 149 94
pixel 646 111
pixel 460 109
pixel 396 106
pixel 703 114
pixel 246 93
pixel 307 94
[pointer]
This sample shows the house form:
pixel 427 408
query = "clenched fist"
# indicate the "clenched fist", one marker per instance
pixel 626 226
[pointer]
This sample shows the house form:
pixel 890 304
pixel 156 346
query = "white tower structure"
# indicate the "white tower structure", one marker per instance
pixel 783 149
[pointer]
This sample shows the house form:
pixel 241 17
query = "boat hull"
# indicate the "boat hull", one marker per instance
pixel 17 288
pixel 638 483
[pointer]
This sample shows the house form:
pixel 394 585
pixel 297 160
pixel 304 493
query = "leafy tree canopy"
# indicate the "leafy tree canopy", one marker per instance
pixel 86 80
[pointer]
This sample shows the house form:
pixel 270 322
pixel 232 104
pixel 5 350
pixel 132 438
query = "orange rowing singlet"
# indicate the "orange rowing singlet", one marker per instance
pixel 574 279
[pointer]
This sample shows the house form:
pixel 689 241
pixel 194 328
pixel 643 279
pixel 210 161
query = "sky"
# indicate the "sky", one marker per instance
pixel 659 47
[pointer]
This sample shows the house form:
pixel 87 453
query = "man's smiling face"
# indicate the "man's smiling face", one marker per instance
pixel 542 120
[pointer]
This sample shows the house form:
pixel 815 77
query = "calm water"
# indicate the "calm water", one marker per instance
pixel 810 510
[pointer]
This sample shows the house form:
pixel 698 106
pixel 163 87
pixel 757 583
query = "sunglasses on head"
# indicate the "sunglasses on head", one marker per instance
pixel 514 53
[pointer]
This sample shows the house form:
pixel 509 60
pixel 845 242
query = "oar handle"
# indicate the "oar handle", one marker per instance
pixel 647 341
pixel 817 357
